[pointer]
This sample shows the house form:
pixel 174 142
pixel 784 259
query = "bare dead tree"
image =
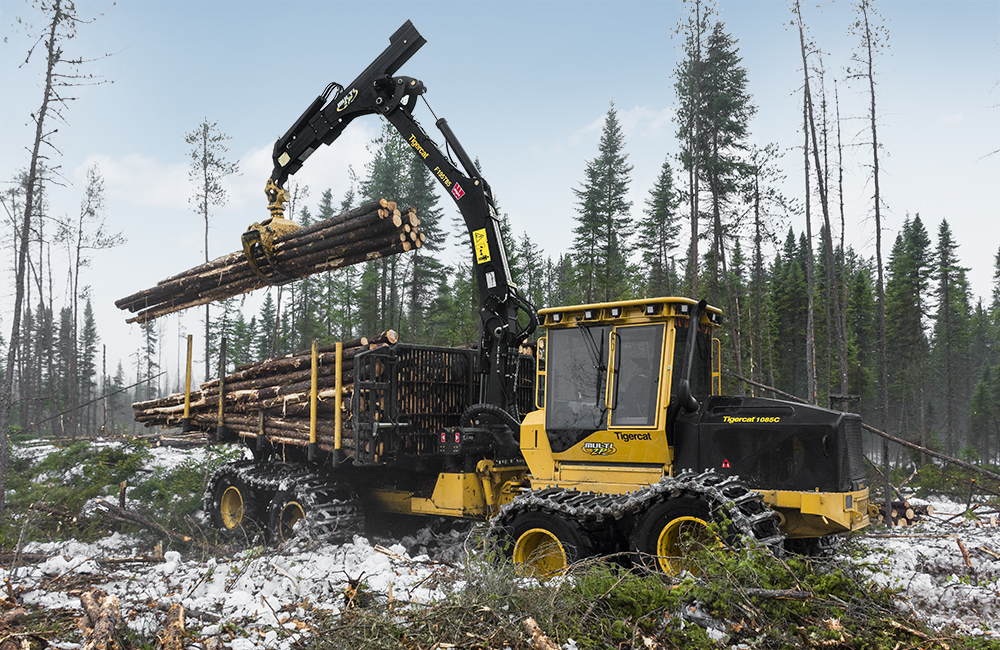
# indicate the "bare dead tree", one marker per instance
pixel 87 233
pixel 209 167
pixel 61 73
pixel 872 37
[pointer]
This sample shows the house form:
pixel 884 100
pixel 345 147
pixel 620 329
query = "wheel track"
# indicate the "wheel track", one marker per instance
pixel 333 510
pixel 752 520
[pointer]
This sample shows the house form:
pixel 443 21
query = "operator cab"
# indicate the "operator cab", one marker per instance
pixel 606 382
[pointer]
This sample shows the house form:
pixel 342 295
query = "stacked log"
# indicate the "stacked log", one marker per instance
pixel 275 389
pixel 903 513
pixel 373 230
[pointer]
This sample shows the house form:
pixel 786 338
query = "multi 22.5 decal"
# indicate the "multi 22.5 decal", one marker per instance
pixel 599 448
pixel 346 101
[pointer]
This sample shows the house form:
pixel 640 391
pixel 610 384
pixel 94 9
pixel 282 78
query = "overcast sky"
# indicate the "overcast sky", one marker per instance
pixel 524 85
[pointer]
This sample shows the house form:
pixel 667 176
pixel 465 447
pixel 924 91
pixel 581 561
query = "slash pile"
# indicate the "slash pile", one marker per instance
pixel 373 230
pixel 277 388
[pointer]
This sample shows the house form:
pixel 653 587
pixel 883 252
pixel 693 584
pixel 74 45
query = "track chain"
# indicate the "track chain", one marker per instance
pixel 753 521
pixel 333 510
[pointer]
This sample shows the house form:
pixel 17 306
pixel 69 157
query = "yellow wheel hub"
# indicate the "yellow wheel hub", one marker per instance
pixel 231 508
pixel 539 553
pixel 677 539
pixel 291 513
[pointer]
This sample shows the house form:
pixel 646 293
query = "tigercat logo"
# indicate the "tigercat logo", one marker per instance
pixel 416 145
pixel 599 448
pixel 346 101
pixel 750 419
pixel 629 437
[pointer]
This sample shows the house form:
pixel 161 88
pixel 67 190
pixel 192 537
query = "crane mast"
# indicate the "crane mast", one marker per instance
pixel 378 91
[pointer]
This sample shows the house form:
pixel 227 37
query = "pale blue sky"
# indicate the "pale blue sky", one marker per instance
pixel 525 86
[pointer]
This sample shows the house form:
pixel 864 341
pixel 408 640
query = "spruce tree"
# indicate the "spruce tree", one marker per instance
pixel 428 272
pixel 387 178
pixel 951 322
pixel 658 235
pixel 266 346
pixel 604 227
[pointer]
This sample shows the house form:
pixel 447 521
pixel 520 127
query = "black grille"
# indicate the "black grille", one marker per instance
pixel 852 461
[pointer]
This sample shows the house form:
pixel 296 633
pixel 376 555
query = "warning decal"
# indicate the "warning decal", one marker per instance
pixel 481 246
pixel 725 464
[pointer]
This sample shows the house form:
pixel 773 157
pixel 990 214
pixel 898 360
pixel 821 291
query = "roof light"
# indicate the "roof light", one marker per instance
pixel 652 308
pixel 557 317
pixel 589 314
pixel 616 312
pixel 685 309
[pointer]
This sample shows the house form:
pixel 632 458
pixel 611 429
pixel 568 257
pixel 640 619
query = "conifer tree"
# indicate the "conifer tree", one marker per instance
pixel 658 234
pixel 906 303
pixel 87 354
pixel 387 178
pixel 266 346
pixel 951 322
pixel 428 271
pixel 692 98
pixel 604 227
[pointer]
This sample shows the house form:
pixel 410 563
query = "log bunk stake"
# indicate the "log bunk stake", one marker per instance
pixel 300 399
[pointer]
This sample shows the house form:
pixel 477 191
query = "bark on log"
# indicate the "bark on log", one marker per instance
pixel 172 637
pixel 329 244
pixel 104 635
pixel 538 640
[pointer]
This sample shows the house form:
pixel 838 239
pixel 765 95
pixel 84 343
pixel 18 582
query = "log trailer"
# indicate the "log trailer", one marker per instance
pixel 614 438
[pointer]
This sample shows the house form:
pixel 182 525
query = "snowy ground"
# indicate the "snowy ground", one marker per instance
pixel 269 595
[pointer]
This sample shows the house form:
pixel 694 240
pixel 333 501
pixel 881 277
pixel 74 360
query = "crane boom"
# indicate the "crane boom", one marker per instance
pixel 378 91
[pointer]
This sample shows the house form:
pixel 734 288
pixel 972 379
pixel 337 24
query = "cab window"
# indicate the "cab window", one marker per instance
pixel 576 375
pixel 638 355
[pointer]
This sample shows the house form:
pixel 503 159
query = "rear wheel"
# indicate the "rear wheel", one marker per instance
pixel 671 533
pixel 234 507
pixel 286 511
pixel 316 508
pixel 542 544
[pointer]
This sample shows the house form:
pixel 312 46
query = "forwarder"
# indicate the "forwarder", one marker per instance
pixel 616 440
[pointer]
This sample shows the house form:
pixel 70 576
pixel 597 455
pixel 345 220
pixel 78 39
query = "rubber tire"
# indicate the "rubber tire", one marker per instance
pixel 278 515
pixel 574 544
pixel 645 537
pixel 249 523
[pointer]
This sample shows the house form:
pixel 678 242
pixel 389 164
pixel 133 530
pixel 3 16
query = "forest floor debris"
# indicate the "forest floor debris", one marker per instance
pixel 945 570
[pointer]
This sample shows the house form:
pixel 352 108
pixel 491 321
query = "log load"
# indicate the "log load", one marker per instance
pixel 279 390
pixel 370 231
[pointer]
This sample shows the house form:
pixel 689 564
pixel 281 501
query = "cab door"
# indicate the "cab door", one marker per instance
pixel 636 376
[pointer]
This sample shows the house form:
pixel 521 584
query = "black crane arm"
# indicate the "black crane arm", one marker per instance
pixel 377 91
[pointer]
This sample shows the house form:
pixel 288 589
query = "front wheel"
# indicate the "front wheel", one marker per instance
pixel 671 533
pixel 542 544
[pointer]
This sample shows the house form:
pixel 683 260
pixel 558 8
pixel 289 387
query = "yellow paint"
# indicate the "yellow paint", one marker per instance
pixel 813 514
pixel 481 246
pixel 187 379
pixel 313 389
pixel 338 385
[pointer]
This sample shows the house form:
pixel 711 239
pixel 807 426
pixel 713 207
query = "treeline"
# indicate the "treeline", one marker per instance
pixel 899 338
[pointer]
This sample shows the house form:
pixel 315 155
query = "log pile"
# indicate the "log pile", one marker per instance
pixel 276 388
pixel 903 513
pixel 373 230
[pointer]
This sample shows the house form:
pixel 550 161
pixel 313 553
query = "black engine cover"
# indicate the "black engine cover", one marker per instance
pixel 772 444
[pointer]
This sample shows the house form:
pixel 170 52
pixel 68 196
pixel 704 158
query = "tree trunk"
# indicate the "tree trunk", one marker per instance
pixel 6 392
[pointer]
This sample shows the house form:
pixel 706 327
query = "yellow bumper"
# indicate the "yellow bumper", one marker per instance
pixel 814 514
